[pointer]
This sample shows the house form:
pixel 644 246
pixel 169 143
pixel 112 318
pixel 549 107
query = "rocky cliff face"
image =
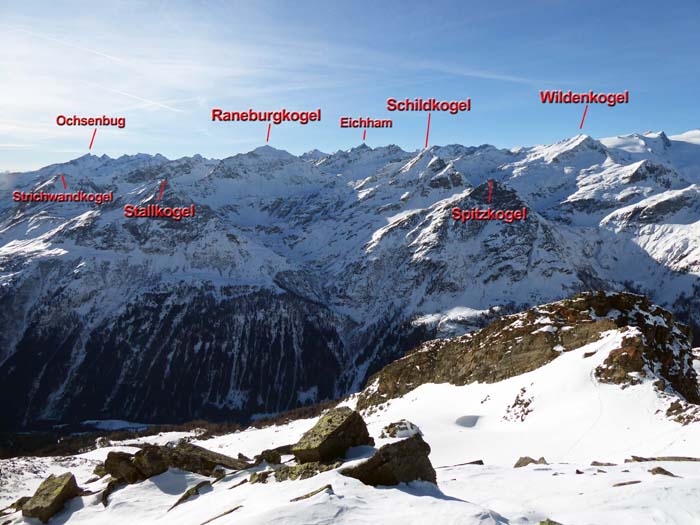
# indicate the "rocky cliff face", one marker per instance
pixel 301 276
pixel 655 347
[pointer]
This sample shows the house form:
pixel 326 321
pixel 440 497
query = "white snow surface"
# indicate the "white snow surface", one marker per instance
pixel 574 420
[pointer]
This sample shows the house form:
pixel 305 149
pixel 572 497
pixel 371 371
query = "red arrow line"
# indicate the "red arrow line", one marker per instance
pixel 268 132
pixel 364 136
pixel 93 138
pixel 490 190
pixel 584 117
pixel 427 132
pixel 63 179
pixel 162 189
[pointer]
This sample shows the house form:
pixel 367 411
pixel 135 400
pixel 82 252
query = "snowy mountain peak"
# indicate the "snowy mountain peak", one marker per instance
pixel 268 152
pixel 570 149
pixel 314 155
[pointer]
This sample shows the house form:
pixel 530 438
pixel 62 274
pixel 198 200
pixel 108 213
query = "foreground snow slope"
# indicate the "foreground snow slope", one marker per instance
pixel 560 411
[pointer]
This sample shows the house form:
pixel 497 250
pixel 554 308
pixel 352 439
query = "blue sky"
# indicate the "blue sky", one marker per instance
pixel 164 65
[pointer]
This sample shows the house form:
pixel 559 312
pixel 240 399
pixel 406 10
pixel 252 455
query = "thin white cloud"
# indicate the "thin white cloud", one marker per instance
pixel 64 43
pixel 145 100
pixel 9 145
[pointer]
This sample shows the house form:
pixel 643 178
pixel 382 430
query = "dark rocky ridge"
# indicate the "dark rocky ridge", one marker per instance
pixel 514 345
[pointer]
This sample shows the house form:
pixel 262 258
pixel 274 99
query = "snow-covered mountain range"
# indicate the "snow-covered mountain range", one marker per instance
pixel 301 276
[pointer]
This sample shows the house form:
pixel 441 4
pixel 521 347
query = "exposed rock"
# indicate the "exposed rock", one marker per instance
pixel 259 477
pixel 221 515
pixel 527 460
pixel 400 429
pixel 49 498
pixel 243 457
pixel 549 522
pixel 639 459
pixel 520 408
pixel 304 471
pixel 623 361
pixel 333 434
pixel 602 464
pixel 218 475
pixel 663 472
pixel 192 458
pixel 625 483
pixel 242 482
pixel 112 485
pixel 120 466
pixel 99 470
pixel 328 487
pixel 516 344
pixel 662 345
pixel 152 460
pixel 403 461
pixel 14 507
pixel 191 492
pixel 284 449
pixel 272 457
pixel 19 504
pixel 475 462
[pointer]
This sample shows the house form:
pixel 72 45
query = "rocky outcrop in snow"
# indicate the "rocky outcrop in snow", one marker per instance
pixel 655 348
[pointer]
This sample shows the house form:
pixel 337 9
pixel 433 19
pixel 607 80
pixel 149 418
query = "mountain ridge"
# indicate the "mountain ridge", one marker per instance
pixel 356 245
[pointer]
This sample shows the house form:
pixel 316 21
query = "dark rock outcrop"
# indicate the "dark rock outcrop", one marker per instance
pixel 193 458
pixel 328 487
pixel 50 497
pixel 656 471
pixel 333 434
pixel 625 483
pixel 19 504
pixel 271 456
pixel 120 466
pixel 303 471
pixel 191 493
pixel 260 477
pixel 661 344
pixel 517 344
pixel 639 459
pixel 527 460
pixel 112 485
pixel 602 464
pixel 395 463
pixel 152 460
pixel 99 470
